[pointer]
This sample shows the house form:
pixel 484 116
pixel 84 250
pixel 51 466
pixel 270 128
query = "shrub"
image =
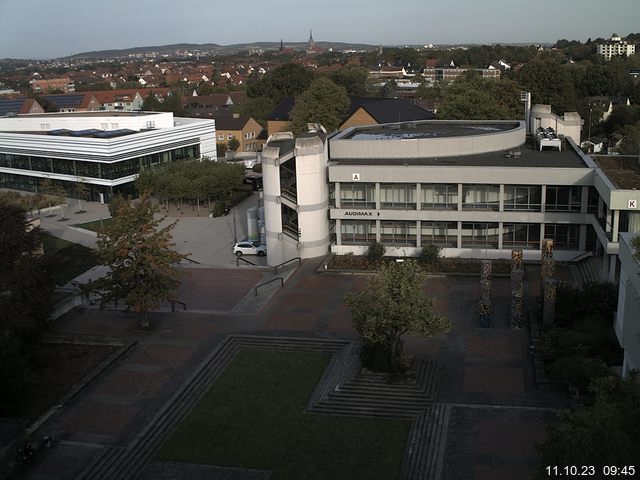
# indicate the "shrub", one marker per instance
pixel 218 208
pixel 375 252
pixel 257 168
pixel 578 371
pixel 429 255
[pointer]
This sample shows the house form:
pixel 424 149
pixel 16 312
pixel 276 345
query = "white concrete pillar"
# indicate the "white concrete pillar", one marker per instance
pixel 582 239
pixel 501 207
pixel 616 225
pixel 543 203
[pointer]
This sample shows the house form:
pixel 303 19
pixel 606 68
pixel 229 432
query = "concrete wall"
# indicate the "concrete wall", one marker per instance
pixel 627 321
pixel 313 194
pixel 344 148
pixel 84 121
pixel 569 125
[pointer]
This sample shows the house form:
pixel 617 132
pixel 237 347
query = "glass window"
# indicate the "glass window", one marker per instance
pixel 21 162
pixel 521 235
pixel 443 195
pixel 483 197
pixel 121 169
pixel 357 195
pixel 398 233
pixel 64 166
pixel 563 199
pixel 41 164
pixel 565 237
pixel 88 169
pixel 443 234
pixel 479 235
pixel 398 195
pixel 358 232
pixel 522 198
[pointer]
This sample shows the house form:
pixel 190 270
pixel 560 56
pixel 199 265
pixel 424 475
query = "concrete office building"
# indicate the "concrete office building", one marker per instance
pixel 627 323
pixel 104 150
pixel 478 189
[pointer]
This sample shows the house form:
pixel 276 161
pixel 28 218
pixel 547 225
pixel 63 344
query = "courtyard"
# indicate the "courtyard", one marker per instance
pixel 251 421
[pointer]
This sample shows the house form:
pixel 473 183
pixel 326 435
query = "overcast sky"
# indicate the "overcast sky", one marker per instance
pixel 55 28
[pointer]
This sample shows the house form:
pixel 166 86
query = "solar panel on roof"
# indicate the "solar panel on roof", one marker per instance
pixel 85 133
pixel 11 106
pixel 72 100
pixel 115 133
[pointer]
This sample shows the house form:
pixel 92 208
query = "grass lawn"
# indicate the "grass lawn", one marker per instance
pixel 254 417
pixel 96 225
pixel 71 259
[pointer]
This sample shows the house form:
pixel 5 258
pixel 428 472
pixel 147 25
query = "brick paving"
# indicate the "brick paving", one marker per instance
pixel 485 372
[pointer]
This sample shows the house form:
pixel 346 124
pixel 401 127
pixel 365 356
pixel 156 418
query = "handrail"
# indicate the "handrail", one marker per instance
pixel 275 270
pixel 581 256
pixel 238 259
pixel 267 283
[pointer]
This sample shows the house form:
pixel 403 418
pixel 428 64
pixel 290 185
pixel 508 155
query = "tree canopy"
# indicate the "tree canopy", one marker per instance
pixel 550 83
pixel 472 97
pixel 287 80
pixel 353 78
pixel 140 257
pixel 391 305
pixel 323 102
pixel 605 433
pixel 26 289
pixel 192 180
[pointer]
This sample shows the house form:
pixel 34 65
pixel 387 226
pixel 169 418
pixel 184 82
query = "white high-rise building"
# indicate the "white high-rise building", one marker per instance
pixel 615 46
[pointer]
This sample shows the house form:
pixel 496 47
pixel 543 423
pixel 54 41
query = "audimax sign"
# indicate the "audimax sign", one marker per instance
pixel 361 213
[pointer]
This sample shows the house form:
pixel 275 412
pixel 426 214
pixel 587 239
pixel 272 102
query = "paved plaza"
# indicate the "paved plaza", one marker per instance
pixel 495 416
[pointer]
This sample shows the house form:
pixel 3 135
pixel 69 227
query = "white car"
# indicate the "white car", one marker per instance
pixel 249 248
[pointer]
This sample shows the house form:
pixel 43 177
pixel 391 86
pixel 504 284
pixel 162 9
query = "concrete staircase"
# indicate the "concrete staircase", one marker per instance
pixel 590 270
pixel 342 390
pixel 120 463
pixel 372 394
pixel 426 444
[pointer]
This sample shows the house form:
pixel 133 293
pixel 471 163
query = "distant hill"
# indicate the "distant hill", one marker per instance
pixel 214 49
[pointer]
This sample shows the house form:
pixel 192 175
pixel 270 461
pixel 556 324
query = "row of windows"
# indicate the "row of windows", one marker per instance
pixel 474 197
pixel 472 234
pixel 109 171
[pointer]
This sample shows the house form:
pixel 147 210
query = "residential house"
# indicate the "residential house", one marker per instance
pixel 376 111
pixel 19 106
pixel 209 106
pixel 119 100
pixel 74 102
pixel 241 127
pixel 362 111
pixel 41 85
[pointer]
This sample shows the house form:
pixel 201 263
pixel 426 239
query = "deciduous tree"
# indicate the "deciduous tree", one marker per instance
pixel 393 304
pixel 140 257
pixel 324 102
pixel 605 433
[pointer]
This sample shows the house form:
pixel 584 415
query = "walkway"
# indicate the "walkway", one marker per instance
pixel 487 415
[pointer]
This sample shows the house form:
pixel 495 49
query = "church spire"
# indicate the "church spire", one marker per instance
pixel 281 44
pixel 310 38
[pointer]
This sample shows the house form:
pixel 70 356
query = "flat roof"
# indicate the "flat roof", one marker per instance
pixel 623 171
pixel 101 113
pixel 529 157
pixel 428 129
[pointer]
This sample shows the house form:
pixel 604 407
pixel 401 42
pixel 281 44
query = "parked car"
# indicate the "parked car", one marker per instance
pixel 249 248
